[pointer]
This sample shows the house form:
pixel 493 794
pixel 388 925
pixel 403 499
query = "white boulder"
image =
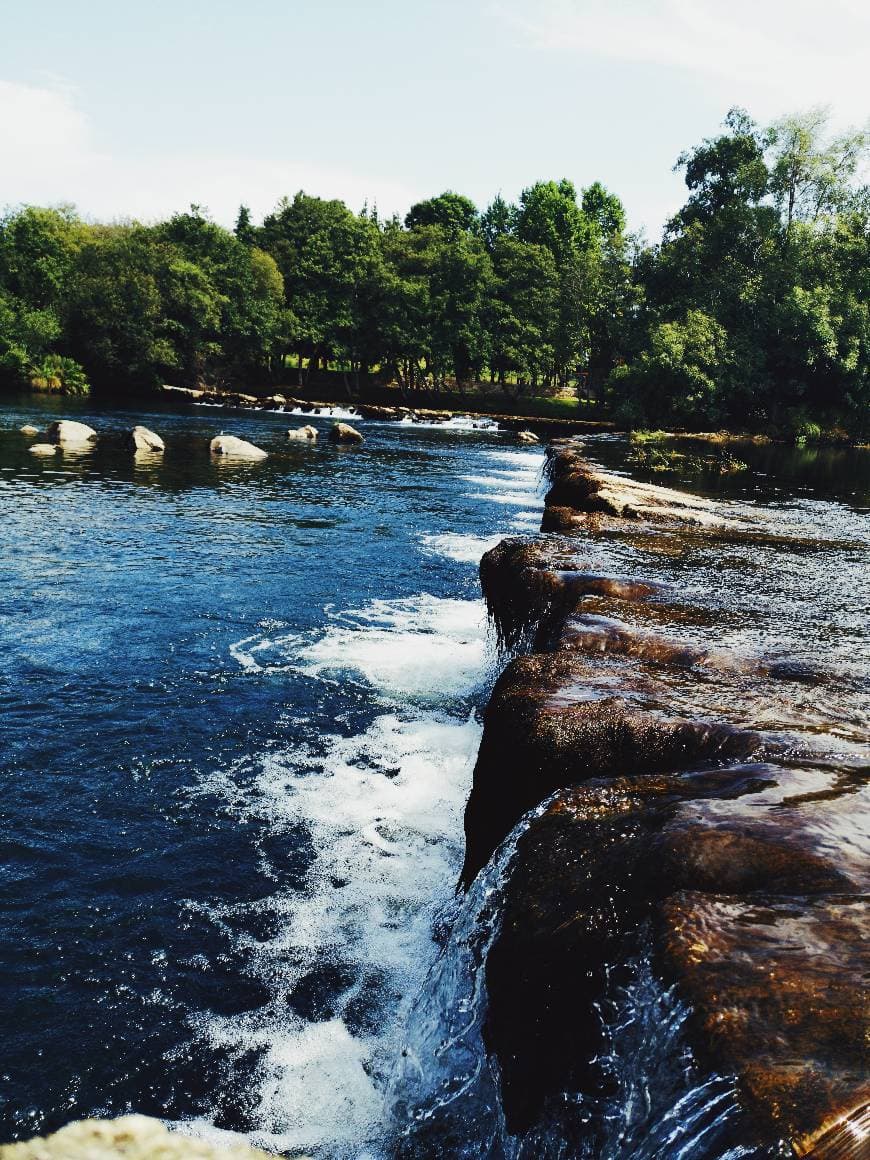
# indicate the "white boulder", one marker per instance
pixel 141 439
pixel 303 434
pixel 67 433
pixel 29 430
pixel 232 446
pixel 44 449
pixel 344 433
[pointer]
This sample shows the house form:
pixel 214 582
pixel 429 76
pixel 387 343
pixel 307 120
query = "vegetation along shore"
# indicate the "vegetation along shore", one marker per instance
pixel 750 313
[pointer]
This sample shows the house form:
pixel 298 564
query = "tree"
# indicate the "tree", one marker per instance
pixel 325 254
pixel 809 174
pixel 523 312
pixel 451 211
pixel 604 209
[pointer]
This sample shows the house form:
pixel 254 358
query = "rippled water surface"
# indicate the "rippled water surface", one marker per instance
pixel 239 718
pixel 240 708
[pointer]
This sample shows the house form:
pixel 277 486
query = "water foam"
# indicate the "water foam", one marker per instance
pixel 383 814
pixel 420 646
pixel 463 549
pixel 454 423
pixel 326 412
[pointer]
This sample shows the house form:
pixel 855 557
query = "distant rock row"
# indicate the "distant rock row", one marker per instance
pixel 68 434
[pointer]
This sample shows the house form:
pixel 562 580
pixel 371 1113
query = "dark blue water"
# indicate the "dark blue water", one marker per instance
pixel 238 715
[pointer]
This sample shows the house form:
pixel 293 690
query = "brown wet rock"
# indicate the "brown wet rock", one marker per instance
pixel 591 633
pixel 725 860
pixel 586 874
pixel 778 988
pixel 578 484
pixel 566 520
pixel 534 584
pixel 536 740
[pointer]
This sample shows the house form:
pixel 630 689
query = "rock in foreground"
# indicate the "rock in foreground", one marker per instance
pixel 130 1137
pixel 43 449
pixel 344 433
pixel 141 439
pixel 232 446
pixel 67 433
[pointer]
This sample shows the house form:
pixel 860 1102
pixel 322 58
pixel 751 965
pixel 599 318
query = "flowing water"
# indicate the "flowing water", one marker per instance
pixel 240 709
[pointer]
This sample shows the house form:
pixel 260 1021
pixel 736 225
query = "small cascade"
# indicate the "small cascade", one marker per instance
pixel 445 1094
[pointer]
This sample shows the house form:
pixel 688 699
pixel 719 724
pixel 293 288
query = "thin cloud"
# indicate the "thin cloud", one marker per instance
pixel 772 56
pixel 51 155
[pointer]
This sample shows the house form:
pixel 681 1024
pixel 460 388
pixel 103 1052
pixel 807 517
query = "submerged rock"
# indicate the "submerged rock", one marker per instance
pixel 778 987
pixel 344 433
pixel 130 1137
pixel 29 430
pixel 67 433
pixel 306 434
pixel 235 448
pixel 141 439
pixel 44 449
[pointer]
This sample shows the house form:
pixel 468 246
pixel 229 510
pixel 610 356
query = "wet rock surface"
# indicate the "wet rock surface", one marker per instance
pixel 132 1137
pixel 716 797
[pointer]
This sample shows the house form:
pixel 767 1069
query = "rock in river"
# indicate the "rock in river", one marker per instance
pixel 29 429
pixel 141 439
pixel 527 437
pixel 344 433
pixel 304 434
pixel 67 433
pixel 232 446
pixel 43 449
pixel 132 1137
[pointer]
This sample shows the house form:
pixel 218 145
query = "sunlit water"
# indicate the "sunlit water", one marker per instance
pixel 240 709
pixel 240 715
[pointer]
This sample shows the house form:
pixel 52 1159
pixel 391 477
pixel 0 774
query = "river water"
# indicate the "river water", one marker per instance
pixel 240 709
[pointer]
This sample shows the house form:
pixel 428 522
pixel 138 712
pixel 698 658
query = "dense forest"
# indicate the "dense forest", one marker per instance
pixel 753 310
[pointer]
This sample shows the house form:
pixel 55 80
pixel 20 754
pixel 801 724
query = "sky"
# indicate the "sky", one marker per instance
pixel 138 110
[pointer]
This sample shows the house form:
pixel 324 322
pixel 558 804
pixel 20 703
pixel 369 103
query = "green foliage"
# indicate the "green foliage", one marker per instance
pixel 59 375
pixel 451 211
pixel 752 311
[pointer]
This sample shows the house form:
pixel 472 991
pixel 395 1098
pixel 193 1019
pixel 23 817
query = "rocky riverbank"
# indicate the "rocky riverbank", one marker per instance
pixel 689 795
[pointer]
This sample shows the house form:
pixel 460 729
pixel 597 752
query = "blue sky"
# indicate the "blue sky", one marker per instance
pixel 140 109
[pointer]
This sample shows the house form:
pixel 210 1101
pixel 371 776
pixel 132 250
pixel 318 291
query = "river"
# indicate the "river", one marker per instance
pixel 240 710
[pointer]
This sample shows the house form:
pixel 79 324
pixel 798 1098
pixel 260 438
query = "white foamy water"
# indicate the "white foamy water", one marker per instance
pixel 383 811
pixel 419 646
pixel 454 423
pixel 515 482
pixel 464 549
pixel 326 412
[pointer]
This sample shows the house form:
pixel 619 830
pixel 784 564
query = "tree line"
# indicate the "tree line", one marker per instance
pixel 753 309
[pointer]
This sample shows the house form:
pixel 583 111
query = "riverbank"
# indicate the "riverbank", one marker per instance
pixel 707 795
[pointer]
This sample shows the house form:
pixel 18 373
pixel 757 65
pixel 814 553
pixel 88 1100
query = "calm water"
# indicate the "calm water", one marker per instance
pixel 239 713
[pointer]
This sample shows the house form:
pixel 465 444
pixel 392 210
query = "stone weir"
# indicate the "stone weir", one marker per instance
pixel 667 809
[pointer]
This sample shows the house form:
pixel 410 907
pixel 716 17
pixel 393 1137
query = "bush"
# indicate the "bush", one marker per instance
pixel 59 376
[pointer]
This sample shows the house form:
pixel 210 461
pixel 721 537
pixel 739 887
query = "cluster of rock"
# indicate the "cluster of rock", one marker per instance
pixel 65 434
pixel 714 835
pixel 128 1137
